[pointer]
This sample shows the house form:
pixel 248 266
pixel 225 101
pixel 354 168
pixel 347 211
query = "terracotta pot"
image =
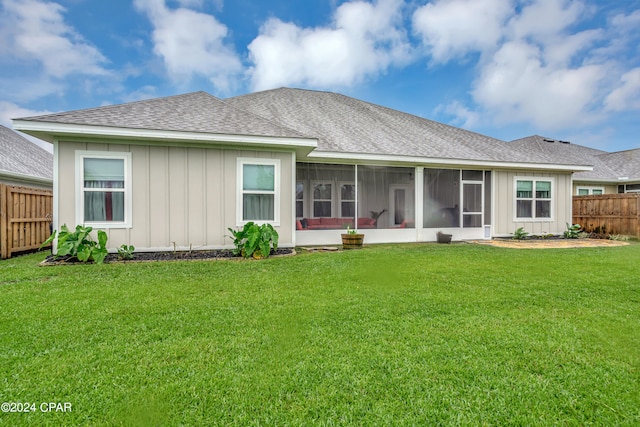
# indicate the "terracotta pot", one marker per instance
pixel 352 241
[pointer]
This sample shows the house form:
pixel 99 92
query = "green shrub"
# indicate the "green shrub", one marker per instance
pixel 254 240
pixel 572 231
pixel 619 237
pixel 79 244
pixel 126 252
pixel 520 234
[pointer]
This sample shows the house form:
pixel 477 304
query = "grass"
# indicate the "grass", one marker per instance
pixel 388 335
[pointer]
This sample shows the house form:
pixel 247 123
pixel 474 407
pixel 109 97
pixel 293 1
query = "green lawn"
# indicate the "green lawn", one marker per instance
pixel 389 335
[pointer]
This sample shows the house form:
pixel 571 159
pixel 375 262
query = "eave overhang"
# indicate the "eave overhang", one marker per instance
pixel 52 132
pixel 27 179
pixel 361 158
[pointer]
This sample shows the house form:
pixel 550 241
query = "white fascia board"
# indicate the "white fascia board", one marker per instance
pixel 26 178
pixel 390 159
pixel 612 181
pixel 56 130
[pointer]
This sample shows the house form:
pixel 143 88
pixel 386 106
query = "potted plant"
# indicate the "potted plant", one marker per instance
pixel 352 239
pixel 443 238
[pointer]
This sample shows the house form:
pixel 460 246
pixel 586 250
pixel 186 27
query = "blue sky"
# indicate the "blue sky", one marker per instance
pixel 566 69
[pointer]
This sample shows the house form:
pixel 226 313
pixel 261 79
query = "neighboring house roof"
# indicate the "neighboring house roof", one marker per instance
pixel 347 125
pixel 607 167
pixel 21 159
pixel 192 112
pixel 625 163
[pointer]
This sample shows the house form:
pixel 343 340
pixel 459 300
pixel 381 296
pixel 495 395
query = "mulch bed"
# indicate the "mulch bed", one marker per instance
pixel 164 256
pixel 552 243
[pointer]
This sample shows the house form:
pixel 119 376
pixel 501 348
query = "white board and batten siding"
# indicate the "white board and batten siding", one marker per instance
pixel 183 198
pixel 505 221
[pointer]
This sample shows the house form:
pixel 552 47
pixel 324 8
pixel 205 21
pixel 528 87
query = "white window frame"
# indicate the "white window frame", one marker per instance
pixel 340 200
pixel 240 192
pixel 303 200
pixel 312 214
pixel 589 189
pixel 534 179
pixel 80 190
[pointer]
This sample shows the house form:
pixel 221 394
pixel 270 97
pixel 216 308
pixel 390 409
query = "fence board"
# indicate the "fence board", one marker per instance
pixel 25 215
pixel 608 213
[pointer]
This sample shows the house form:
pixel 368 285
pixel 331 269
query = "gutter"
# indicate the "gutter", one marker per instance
pixel 431 161
pixel 14 176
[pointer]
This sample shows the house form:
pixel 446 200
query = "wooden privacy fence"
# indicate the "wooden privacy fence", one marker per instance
pixel 25 215
pixel 608 213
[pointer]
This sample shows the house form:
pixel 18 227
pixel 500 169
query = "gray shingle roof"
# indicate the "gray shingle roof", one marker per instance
pixel 606 166
pixel 348 125
pixel 191 112
pixel 625 163
pixel 340 124
pixel 20 156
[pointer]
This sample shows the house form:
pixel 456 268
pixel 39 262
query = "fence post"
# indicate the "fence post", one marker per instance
pixel 4 228
pixel 638 216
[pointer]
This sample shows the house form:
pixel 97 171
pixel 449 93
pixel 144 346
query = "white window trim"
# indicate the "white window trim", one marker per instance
pixel 241 161
pixel 303 200
pixel 128 198
pixel 589 189
pixel 515 198
pixel 340 200
pixel 312 214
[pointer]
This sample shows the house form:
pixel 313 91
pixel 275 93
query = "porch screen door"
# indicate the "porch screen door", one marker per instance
pixel 471 205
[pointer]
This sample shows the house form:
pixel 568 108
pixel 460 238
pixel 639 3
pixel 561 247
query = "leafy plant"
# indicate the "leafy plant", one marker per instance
pixel 572 231
pixel 254 240
pixel 126 252
pixel 79 244
pixel 619 237
pixel 520 234
pixel 351 230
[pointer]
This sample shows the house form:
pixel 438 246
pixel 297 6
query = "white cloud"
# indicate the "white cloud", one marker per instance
pixel 516 86
pixel 466 118
pixel 9 110
pixel 452 28
pixel 363 40
pixel 627 95
pixel 191 43
pixel 534 67
pixel 35 30
pixel 562 49
pixel 543 19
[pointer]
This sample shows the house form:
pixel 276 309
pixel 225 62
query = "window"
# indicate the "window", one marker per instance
pixel 588 191
pixel 347 200
pixel 629 188
pixel 322 198
pixel 104 189
pixel 533 198
pixel 258 184
pixel 300 190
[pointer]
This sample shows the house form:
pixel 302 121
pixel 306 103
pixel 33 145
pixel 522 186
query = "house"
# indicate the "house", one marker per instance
pixel 176 172
pixel 23 163
pixel 617 172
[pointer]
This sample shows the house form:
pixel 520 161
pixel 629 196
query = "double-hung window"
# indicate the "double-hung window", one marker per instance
pixel 347 200
pixel 322 199
pixel 533 198
pixel 589 191
pixel 103 197
pixel 259 191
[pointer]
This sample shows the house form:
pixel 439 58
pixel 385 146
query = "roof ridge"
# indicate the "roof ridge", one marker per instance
pixel 273 122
